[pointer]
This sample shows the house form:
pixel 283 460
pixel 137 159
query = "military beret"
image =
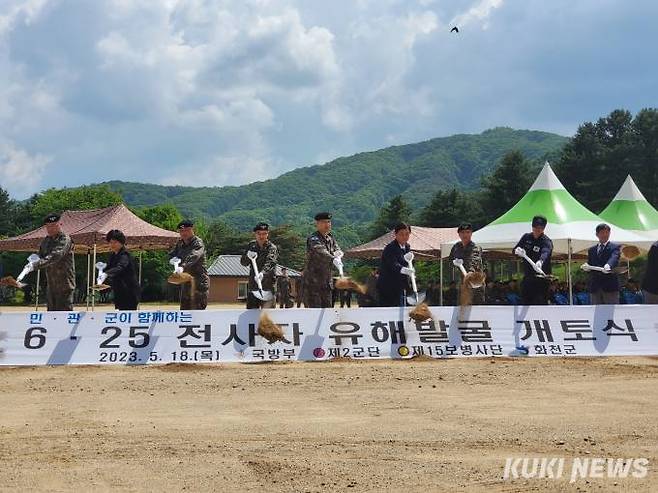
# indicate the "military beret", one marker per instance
pixel 262 227
pixel 465 227
pixel 539 221
pixel 51 218
pixel 602 226
pixel 185 223
pixel 322 216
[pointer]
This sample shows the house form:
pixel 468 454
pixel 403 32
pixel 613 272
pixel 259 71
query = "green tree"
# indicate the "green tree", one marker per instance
pixel 594 164
pixel 503 188
pixel 164 216
pixel 222 239
pixel 81 198
pixel 6 213
pixel 395 212
pixel 290 244
pixel 448 208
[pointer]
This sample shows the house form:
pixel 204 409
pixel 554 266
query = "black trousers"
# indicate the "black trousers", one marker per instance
pixel 534 291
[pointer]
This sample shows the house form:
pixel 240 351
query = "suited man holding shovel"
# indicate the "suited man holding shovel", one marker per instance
pixel 604 285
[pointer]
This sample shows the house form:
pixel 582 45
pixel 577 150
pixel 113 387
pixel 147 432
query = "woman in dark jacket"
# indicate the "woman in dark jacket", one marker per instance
pixel 394 270
pixel 121 273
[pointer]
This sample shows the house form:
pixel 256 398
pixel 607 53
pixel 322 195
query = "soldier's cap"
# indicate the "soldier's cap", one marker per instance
pixel 602 226
pixel 185 223
pixel 323 216
pixel 51 218
pixel 539 221
pixel 262 227
pixel 465 227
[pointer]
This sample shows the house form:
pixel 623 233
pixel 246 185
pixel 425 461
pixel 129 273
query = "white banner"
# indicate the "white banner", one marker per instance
pixel 148 337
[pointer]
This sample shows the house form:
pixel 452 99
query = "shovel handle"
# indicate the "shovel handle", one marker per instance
pixel 258 283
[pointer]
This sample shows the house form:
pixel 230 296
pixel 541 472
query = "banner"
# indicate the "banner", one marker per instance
pixel 152 337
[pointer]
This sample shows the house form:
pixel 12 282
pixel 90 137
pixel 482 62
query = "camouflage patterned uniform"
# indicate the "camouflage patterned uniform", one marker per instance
pixel 472 256
pixel 193 261
pixel 283 291
pixel 57 260
pixel 268 255
pixel 320 250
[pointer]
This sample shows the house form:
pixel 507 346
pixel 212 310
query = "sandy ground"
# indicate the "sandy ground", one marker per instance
pixel 336 426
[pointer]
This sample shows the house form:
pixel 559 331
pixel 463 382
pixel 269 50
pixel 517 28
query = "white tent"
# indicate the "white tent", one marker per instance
pixel 571 226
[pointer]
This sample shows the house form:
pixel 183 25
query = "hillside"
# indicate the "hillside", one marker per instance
pixel 354 187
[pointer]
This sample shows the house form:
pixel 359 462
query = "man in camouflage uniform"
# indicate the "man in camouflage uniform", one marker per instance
pixel 321 250
pixel 192 252
pixel 283 289
pixel 267 257
pixel 471 254
pixel 56 257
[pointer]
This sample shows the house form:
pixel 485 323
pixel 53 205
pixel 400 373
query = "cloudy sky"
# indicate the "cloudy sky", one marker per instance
pixel 217 92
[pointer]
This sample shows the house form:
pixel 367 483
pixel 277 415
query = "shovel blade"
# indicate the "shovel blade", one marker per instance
pixel 416 298
pixel 263 295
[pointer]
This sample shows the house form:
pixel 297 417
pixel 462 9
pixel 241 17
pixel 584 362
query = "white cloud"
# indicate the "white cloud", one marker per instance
pixel 479 12
pixel 231 91
pixel 20 171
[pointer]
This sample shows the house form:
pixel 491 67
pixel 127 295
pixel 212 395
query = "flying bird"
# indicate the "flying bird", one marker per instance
pixel 454 30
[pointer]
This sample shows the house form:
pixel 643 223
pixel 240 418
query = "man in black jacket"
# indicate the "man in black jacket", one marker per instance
pixel 121 273
pixel 539 248
pixel 650 282
pixel 394 270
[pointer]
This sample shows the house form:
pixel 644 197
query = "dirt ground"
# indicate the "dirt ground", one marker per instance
pixel 336 426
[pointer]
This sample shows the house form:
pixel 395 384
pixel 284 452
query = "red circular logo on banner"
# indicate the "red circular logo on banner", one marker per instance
pixel 318 352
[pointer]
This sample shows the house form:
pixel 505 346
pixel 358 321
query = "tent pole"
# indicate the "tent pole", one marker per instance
pixel 36 298
pixel 88 276
pixel 93 276
pixel 628 266
pixel 440 279
pixel 74 274
pixel 569 272
pixel 140 276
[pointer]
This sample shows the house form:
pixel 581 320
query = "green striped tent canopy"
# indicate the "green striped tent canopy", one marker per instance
pixel 569 222
pixel 630 210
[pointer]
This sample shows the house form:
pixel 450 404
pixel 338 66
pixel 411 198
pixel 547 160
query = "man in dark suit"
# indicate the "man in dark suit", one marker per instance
pixel 394 270
pixel 604 286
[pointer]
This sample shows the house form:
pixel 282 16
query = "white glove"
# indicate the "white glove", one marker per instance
pixel 259 277
pixel 102 277
pixel 251 254
pixel 519 251
pixel 178 270
pixel 407 271
pixel 338 262
pixel 457 262
pixel 606 268
pixel 586 267
pixel 538 264
pixel 338 254
pixel 29 267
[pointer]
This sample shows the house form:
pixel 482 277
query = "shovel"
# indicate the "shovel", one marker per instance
pixel 29 267
pixel 616 270
pixel 260 294
pixel 417 297
pixel 100 279
pixel 459 262
pixel 540 273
